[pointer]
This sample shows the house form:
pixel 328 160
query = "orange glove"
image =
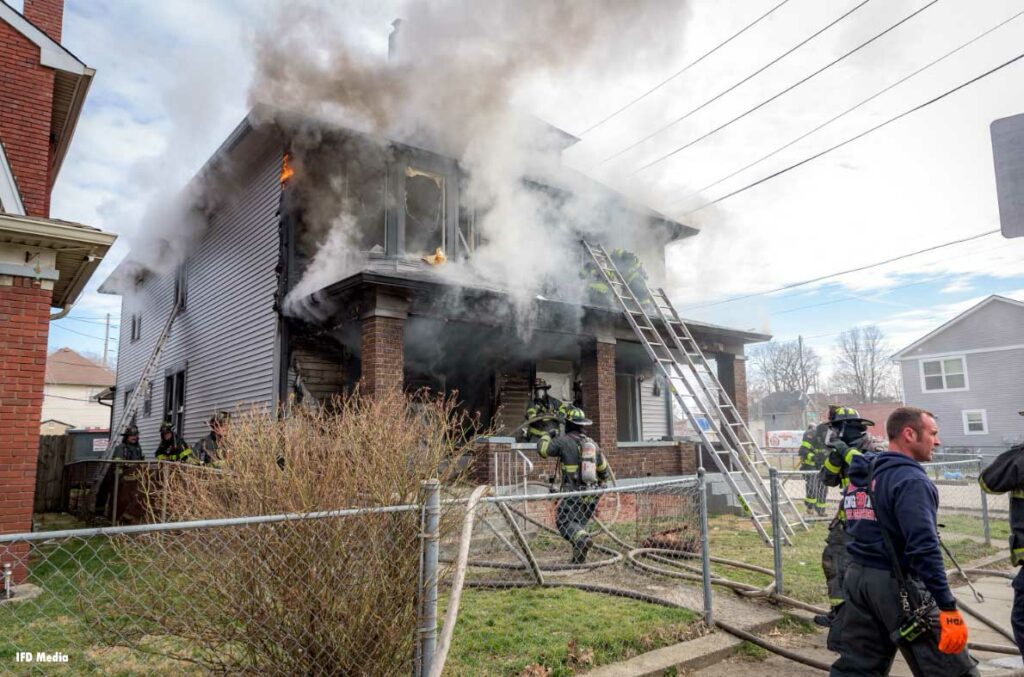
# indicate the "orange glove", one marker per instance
pixel 952 632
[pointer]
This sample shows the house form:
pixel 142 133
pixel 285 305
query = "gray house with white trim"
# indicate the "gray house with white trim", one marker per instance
pixel 970 373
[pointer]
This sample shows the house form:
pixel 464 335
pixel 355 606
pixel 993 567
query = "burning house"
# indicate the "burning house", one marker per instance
pixel 329 257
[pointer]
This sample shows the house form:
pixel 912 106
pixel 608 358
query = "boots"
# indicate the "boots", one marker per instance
pixel 580 549
pixel 825 620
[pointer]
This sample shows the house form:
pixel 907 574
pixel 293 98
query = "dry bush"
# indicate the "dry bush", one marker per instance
pixel 333 595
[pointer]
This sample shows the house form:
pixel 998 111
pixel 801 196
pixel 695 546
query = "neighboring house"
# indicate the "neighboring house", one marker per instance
pixel 44 263
pixel 72 384
pixel 781 411
pixel 970 373
pixel 390 319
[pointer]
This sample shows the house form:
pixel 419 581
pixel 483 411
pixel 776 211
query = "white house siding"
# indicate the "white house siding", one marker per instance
pixel 70 404
pixel 228 331
pixel 653 410
pixel 995 383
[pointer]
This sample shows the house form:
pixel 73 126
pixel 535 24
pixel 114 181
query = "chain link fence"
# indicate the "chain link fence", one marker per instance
pixel 557 580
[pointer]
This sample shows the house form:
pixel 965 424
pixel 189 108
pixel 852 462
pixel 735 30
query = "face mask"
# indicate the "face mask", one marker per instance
pixel 852 433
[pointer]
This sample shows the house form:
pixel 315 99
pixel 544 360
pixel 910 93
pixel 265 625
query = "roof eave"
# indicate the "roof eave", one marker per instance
pixel 63 142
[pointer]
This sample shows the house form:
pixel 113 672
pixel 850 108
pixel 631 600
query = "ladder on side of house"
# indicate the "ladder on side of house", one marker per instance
pixel 131 406
pixel 711 413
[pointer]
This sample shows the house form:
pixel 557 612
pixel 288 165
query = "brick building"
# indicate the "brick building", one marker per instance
pixel 251 333
pixel 44 263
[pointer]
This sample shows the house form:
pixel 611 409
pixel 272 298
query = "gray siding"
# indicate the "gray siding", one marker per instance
pixel 995 383
pixel 653 411
pixel 996 325
pixel 228 331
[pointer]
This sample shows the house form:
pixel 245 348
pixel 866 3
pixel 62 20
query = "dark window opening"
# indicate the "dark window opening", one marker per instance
pixel 174 401
pixel 147 400
pixel 627 407
pixel 181 286
pixel 136 326
pixel 424 212
pixel 365 201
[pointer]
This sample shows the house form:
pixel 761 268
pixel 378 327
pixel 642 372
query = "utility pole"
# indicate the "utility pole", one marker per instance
pixel 803 376
pixel 106 340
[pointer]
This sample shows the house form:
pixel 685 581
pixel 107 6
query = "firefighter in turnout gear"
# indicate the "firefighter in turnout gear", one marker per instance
pixel 581 466
pixel 632 271
pixel 172 447
pixel 812 458
pixel 1006 474
pixel 129 449
pixel 207 450
pixel 847 438
pixel 544 414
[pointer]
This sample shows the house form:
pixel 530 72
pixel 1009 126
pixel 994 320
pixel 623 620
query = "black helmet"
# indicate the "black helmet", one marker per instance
pixel 166 427
pixel 131 430
pixel 220 418
pixel 848 415
pixel 575 415
pixel 541 384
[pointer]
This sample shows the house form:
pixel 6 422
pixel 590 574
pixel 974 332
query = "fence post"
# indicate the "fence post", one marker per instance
pixel 117 483
pixel 705 549
pixel 430 539
pixel 984 516
pixel 773 475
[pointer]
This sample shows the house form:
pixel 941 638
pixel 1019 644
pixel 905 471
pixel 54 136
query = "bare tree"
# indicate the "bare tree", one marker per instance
pixel 862 365
pixel 779 366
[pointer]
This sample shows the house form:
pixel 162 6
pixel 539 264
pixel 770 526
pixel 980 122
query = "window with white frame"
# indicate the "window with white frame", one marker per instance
pixel 947 373
pixel 975 422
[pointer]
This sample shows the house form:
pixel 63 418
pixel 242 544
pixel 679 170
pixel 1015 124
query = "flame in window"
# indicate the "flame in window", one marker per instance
pixel 286 168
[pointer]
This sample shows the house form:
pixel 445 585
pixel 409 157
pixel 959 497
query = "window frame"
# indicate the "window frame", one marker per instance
pixel 175 397
pixel 941 360
pixel 984 421
pixel 180 287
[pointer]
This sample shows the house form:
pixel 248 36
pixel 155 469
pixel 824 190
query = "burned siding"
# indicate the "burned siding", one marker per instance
pixel 226 336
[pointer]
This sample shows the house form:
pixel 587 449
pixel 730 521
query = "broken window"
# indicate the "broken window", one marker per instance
pixel 365 200
pixel 424 212
pixel 181 286
pixel 174 400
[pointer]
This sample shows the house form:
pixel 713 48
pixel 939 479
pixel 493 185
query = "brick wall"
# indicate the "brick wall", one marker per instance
pixel 26 96
pixel 739 372
pixel 47 15
pixel 25 318
pixel 627 462
pixel 382 354
pixel 598 367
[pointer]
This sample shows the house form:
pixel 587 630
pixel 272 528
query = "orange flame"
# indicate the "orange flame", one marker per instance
pixel 286 168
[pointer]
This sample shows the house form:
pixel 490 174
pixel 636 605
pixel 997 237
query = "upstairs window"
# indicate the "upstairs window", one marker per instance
pixel 174 400
pixel 948 373
pixel 136 326
pixel 181 286
pixel 425 211
pixel 975 422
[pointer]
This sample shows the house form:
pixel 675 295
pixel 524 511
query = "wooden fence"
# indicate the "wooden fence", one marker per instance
pixel 54 452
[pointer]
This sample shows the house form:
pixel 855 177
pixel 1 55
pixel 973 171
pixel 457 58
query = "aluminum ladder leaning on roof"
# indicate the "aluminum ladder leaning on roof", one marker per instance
pixel 131 406
pixel 711 413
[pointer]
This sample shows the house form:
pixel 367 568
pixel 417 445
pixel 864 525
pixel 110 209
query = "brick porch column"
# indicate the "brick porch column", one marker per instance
pixel 732 373
pixel 25 318
pixel 598 367
pixel 383 344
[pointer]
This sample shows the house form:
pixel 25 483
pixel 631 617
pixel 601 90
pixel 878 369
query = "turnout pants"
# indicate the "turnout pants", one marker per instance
pixel 862 631
pixel 835 560
pixel 572 515
pixel 1017 613
pixel 815 493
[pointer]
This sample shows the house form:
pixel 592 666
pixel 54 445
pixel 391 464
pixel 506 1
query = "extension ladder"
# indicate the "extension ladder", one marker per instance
pixel 131 406
pixel 677 357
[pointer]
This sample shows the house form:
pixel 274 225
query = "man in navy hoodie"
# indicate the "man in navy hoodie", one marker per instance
pixel 866 632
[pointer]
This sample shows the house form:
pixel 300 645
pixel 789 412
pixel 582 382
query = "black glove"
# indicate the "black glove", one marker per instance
pixel 839 445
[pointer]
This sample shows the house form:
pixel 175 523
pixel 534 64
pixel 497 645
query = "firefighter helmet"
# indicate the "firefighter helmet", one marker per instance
pixel 848 415
pixel 541 384
pixel 575 415
pixel 166 427
pixel 131 430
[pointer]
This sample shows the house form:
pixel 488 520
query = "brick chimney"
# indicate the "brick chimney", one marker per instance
pixel 47 15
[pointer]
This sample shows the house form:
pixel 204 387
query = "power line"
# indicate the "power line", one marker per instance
pixel 784 91
pixel 98 338
pixel 844 272
pixel 682 70
pixel 858 136
pixel 737 84
pixel 853 108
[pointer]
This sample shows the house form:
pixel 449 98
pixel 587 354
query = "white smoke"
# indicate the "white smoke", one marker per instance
pixel 456 86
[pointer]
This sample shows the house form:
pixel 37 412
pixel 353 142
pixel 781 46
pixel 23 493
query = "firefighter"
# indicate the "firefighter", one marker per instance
pixel 129 449
pixel 812 458
pixel 632 271
pixel 544 412
pixel 581 467
pixel 1006 474
pixel 896 591
pixel 207 450
pixel 847 438
pixel 172 447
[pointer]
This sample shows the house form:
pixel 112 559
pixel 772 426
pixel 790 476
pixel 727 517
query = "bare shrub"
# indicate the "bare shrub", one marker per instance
pixel 333 595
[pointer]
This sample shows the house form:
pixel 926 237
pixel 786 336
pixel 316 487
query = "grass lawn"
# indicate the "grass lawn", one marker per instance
pixel 734 538
pixel 999 528
pixel 502 632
